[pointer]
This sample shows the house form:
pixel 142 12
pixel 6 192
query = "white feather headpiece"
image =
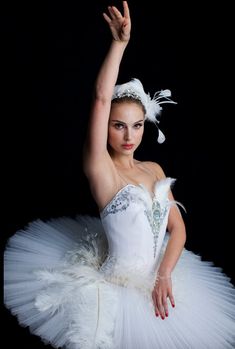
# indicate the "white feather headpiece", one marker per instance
pixel 134 89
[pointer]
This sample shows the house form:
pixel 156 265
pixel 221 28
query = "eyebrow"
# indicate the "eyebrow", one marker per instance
pixel 122 122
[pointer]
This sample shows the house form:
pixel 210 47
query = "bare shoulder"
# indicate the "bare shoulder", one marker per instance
pixel 156 168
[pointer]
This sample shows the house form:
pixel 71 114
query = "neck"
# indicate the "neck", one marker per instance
pixel 123 161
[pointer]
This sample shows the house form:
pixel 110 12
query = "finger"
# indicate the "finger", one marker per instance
pixel 116 12
pixel 172 300
pixel 165 306
pixel 160 306
pixel 126 11
pixel 155 303
pixel 106 17
pixel 157 311
pixel 111 12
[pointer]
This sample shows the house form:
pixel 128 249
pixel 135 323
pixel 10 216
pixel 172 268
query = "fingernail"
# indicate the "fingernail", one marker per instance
pixel 166 314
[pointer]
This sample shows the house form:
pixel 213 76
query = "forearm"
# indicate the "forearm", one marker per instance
pixel 173 251
pixel 108 72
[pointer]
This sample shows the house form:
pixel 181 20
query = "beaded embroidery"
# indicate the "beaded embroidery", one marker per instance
pixel 155 217
pixel 120 202
pixel 154 213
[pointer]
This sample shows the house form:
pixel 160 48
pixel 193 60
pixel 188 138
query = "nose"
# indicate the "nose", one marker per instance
pixel 127 134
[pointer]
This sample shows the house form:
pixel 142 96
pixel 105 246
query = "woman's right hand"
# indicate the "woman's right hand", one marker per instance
pixel 120 25
pixel 162 290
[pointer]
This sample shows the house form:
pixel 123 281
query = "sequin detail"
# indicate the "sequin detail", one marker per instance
pixel 155 217
pixel 155 213
pixel 120 202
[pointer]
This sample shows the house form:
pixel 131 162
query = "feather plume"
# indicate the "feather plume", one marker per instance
pixel 153 108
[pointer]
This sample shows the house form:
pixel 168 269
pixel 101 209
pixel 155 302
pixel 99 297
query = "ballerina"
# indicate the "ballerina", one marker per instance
pixel 123 280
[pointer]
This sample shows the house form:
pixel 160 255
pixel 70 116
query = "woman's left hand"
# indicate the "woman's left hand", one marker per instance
pixel 162 290
pixel 120 25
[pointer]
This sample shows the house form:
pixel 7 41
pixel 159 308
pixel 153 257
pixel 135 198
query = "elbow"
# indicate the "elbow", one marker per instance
pixel 101 96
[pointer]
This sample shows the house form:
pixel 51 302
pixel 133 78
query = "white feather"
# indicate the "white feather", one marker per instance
pixel 162 188
pixel 161 138
pixel 134 89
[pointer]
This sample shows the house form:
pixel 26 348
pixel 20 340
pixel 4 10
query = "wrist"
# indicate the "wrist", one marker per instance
pixel 120 42
pixel 164 272
pixel 163 277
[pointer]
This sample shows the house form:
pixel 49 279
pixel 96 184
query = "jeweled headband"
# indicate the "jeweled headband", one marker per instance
pixel 134 89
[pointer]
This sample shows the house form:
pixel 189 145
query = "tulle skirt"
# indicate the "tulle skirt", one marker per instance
pixel 54 284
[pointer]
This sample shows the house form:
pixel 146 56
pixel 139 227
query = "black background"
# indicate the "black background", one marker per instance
pixel 51 54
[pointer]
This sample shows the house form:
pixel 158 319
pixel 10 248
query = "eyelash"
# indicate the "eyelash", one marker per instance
pixel 120 126
pixel 139 125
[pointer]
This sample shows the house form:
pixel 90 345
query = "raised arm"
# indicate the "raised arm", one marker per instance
pixel 96 142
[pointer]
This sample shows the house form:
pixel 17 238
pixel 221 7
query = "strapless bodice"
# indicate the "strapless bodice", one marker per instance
pixel 135 223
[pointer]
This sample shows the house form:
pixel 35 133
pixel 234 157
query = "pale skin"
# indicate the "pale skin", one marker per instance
pixel 109 168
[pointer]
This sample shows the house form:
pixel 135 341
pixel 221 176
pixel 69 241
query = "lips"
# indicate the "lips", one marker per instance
pixel 128 146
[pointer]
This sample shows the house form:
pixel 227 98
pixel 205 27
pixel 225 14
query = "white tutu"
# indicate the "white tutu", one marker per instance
pixel 53 285
pixel 85 283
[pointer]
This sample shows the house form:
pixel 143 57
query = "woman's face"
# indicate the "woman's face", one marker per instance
pixel 126 127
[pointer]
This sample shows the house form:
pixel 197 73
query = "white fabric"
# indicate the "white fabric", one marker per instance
pixel 86 283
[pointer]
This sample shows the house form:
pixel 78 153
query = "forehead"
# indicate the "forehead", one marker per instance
pixel 126 111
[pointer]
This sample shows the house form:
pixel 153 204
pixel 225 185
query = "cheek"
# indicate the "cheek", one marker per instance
pixel 139 134
pixel 113 135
